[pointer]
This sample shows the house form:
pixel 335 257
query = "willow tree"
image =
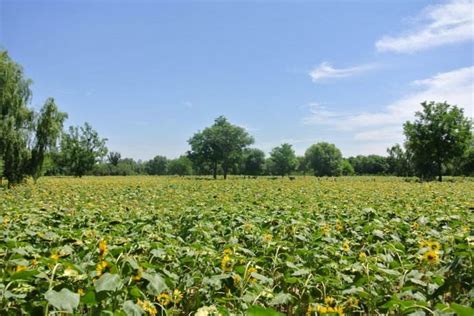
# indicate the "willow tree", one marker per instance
pixel 15 119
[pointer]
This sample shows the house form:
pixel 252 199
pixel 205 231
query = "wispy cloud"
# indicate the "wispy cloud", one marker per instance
pixel 437 25
pixel 385 126
pixel 326 71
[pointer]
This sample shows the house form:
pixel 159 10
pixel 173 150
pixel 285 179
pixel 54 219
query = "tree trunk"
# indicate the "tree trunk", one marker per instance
pixel 224 169
pixel 440 171
pixel 214 170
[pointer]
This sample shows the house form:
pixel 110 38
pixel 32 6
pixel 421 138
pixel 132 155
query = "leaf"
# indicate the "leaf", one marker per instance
pixel 108 282
pixel 462 310
pixel 132 309
pixel 89 298
pixel 156 283
pixel 64 300
pixel 281 298
pixel 262 311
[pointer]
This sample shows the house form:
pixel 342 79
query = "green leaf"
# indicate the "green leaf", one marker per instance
pixel 462 310
pixel 132 309
pixel 64 300
pixel 281 298
pixel 156 283
pixel 108 282
pixel 262 311
pixel 89 298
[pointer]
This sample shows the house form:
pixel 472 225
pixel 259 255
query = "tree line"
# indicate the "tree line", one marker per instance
pixel 438 142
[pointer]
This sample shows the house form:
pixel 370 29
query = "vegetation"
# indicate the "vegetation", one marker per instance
pixel 324 159
pixel 282 160
pixel 439 142
pixel 219 145
pixel 146 245
pixel 440 134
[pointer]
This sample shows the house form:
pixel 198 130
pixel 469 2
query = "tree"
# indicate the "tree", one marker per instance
pixel 181 166
pixel 325 159
pixel 399 161
pixel 114 158
pixel 219 145
pixel 347 169
pixel 371 164
pixel 439 135
pixel 49 126
pixel 16 119
pixel 302 164
pixel 81 149
pixel 253 162
pixel 282 160
pixel 157 166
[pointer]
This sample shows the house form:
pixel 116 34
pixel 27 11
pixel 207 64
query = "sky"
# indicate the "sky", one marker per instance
pixel 147 75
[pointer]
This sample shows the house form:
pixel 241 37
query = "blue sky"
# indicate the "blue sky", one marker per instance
pixel 148 74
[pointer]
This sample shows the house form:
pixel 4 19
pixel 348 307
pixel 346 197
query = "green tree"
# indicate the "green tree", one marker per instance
pixel 16 119
pixel 81 149
pixel 302 165
pixel 181 166
pixel 325 159
pixel 114 158
pixel 440 134
pixel 49 125
pixel 347 169
pixel 253 162
pixel 157 166
pixel 371 164
pixel 282 160
pixel 399 162
pixel 221 144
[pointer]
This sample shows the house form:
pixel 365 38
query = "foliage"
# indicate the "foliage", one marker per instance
pixel 179 246
pixel 282 160
pixel 324 159
pixel 346 168
pixel 15 119
pixel 371 164
pixel 221 144
pixel 440 134
pixel 114 158
pixel 49 125
pixel 181 166
pixel 157 166
pixel 81 149
pixel 399 161
pixel 253 162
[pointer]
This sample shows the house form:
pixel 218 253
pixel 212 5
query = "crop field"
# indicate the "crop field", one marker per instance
pixel 180 246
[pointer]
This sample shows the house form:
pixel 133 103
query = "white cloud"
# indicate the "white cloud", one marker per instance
pixel 326 71
pixel 385 127
pixel 443 24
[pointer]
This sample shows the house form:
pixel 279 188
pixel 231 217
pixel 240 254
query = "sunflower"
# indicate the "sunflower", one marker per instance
pixel 267 237
pixel 346 247
pixel 227 252
pixel 148 307
pixel 100 267
pixel 434 245
pixel 226 264
pixel 329 300
pixel 164 299
pixel 249 274
pixel 102 248
pixel 431 256
pixel 177 296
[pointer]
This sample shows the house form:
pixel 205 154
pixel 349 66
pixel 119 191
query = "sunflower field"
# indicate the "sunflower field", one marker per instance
pixel 266 246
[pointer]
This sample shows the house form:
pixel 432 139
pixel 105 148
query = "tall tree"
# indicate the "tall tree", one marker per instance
pixel 325 159
pixel 219 145
pixel 399 161
pixel 49 126
pixel 15 119
pixel 253 162
pixel 440 134
pixel 181 166
pixel 283 160
pixel 81 149
pixel 114 158
pixel 157 166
